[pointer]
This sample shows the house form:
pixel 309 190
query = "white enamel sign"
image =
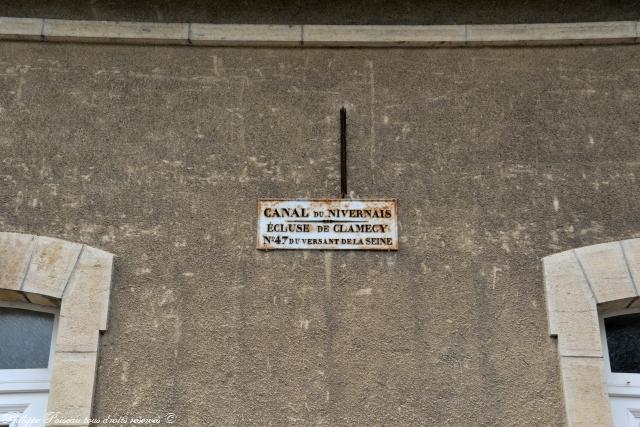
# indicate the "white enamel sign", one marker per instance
pixel 328 224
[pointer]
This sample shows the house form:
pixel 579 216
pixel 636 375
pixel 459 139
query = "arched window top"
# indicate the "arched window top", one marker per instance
pixel 579 285
pixel 77 279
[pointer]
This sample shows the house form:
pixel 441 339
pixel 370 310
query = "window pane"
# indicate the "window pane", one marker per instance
pixel 25 338
pixel 623 340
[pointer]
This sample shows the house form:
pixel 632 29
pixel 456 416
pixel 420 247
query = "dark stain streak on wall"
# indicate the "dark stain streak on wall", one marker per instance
pixel 382 12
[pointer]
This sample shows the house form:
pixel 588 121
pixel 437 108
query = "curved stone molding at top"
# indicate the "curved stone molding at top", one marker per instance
pixel 577 282
pixel 77 278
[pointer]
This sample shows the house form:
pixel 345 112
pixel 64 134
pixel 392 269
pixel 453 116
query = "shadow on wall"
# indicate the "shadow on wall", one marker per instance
pixel 380 12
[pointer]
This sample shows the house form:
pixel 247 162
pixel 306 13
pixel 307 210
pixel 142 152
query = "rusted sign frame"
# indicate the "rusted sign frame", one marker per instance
pixel 394 222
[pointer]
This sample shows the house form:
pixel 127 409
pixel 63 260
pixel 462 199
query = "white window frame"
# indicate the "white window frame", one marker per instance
pixel 619 384
pixel 24 409
pixel 31 380
pixel 9 414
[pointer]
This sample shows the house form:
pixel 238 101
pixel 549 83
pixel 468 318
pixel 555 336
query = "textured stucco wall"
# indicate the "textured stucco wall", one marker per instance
pixel 329 11
pixel 498 157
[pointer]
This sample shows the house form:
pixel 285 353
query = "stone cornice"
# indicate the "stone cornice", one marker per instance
pixel 388 36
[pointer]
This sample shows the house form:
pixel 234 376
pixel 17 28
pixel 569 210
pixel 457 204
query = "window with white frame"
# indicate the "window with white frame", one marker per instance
pixel 27 339
pixel 76 279
pixel 620 333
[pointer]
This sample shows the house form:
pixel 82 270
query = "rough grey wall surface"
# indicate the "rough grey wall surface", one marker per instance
pixel 498 157
pixel 329 11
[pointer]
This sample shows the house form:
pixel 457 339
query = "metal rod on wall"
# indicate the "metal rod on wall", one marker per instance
pixel 343 152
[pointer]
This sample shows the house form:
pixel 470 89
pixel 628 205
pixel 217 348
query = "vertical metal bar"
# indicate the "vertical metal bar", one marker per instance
pixel 343 152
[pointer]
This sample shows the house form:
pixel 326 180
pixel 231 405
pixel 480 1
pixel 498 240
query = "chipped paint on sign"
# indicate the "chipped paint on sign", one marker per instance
pixel 328 224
